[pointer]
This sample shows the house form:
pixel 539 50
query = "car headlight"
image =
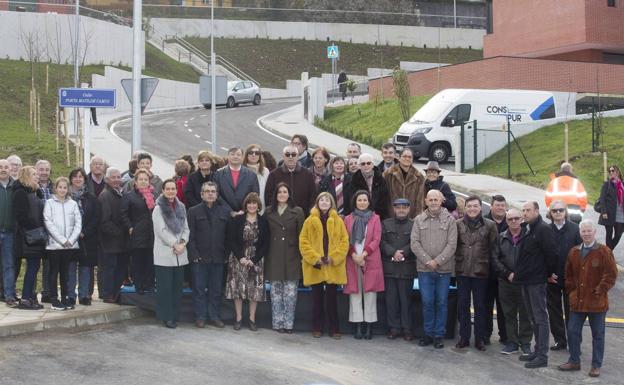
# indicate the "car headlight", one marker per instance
pixel 423 130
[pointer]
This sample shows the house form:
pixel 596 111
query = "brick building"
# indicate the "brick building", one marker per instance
pixel 537 44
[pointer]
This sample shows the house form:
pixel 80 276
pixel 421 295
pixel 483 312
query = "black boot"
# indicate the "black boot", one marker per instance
pixel 358 331
pixel 368 334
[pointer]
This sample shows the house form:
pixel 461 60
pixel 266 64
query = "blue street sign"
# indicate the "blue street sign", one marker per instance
pixel 333 52
pixel 87 97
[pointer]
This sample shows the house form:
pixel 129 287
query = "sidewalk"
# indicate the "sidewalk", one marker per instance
pixel 289 121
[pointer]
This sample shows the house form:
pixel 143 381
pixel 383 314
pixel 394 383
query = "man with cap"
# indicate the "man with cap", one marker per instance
pixel 433 181
pixel 399 269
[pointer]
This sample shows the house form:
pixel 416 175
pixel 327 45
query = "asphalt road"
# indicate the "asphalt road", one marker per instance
pixel 172 134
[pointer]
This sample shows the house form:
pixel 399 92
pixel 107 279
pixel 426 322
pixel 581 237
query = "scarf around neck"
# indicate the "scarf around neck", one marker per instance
pixel 620 190
pixel 76 195
pixel 173 214
pixel 361 218
pixel 148 194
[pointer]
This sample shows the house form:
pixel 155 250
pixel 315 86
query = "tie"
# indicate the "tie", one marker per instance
pixel 339 196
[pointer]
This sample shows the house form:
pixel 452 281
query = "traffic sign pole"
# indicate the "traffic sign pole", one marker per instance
pixel 136 75
pixel 86 145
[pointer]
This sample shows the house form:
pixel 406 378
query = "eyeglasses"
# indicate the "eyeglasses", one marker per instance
pixel 366 163
pixel 290 154
pixel 254 152
pixel 513 219
pixel 557 210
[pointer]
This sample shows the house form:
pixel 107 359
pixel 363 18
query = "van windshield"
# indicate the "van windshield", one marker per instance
pixel 430 112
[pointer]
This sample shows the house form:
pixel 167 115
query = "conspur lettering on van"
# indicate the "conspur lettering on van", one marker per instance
pixel 513 116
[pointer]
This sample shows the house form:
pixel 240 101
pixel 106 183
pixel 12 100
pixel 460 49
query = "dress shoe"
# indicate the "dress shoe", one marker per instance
pixel 280 330
pixel 358 331
pixel 171 324
pixel 200 323
pixel 536 363
pixel 317 334
pixel 480 346
pixel 527 357
pixel 438 343
pixel 594 372
pixel 87 302
pixel 288 331
pixel 392 335
pixel 252 326
pixel 237 325
pixel 335 335
pixel 425 341
pixel 462 343
pixel 408 337
pixel 217 323
pixel 558 346
pixel 368 334
pixel 486 341
pixel 569 367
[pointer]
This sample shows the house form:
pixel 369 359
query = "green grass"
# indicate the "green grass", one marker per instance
pixel 368 123
pixel 159 65
pixel 271 62
pixel 544 149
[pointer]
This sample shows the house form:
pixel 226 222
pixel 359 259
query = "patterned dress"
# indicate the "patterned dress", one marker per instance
pixel 245 282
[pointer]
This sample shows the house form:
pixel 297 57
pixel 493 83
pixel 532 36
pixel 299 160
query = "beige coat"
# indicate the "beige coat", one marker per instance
pixel 434 238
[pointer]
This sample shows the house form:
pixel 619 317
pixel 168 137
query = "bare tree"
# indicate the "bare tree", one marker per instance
pixel 32 48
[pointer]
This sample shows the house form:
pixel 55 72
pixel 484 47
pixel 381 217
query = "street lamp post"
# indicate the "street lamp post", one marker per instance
pixel 76 69
pixel 213 65
pixel 136 75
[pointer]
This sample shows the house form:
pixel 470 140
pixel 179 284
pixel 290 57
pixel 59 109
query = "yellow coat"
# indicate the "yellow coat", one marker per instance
pixel 311 247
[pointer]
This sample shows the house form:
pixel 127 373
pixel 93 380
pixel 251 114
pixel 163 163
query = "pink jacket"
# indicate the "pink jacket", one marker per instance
pixel 373 279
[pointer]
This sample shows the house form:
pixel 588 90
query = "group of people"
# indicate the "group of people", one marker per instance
pixel 326 222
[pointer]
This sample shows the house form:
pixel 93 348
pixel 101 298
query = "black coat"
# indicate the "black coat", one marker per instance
pixel 192 190
pixel 247 183
pixel 379 200
pixel 537 260
pixel 208 236
pixel 450 203
pixel 395 235
pixel 112 233
pixel 326 185
pixel 565 239
pixel 235 237
pixel 608 204
pixel 28 211
pixel 501 227
pixel 301 183
pixel 508 254
pixel 91 214
pixel 136 216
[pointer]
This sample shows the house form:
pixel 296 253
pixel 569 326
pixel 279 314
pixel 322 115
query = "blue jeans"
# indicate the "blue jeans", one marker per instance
pixel 434 288
pixel 8 264
pixel 84 280
pixel 30 277
pixel 207 288
pixel 575 336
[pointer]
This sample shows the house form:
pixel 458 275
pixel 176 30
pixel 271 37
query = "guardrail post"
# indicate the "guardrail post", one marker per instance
pixel 462 148
pixel 508 148
pixel 474 149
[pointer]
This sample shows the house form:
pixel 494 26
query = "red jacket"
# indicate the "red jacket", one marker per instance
pixel 373 278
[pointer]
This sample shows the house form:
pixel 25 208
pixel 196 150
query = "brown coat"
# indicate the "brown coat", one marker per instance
pixel 588 279
pixel 283 261
pixel 476 246
pixel 411 187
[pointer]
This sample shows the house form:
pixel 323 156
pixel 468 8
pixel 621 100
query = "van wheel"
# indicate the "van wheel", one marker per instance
pixel 439 152
pixel 208 106
pixel 256 99
pixel 230 102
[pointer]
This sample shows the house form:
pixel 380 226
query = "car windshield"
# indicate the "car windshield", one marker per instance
pixel 231 85
pixel 430 112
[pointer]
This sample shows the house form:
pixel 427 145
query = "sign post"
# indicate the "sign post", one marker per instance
pixel 86 98
pixel 333 53
pixel 148 86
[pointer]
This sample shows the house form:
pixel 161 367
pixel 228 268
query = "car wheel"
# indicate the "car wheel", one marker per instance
pixel 208 106
pixel 439 152
pixel 230 102
pixel 257 99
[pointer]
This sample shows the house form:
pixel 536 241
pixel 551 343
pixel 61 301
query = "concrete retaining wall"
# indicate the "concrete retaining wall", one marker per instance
pixel 51 38
pixel 355 33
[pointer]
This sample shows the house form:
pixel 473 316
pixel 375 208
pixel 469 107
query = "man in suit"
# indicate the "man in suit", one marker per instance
pixel 236 181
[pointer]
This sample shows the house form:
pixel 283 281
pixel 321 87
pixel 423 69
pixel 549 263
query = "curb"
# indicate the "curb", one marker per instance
pixel 72 321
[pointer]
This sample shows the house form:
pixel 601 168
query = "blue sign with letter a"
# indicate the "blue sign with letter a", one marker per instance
pixel 87 97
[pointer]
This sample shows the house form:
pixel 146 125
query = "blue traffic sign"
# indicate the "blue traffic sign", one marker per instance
pixel 87 97
pixel 333 52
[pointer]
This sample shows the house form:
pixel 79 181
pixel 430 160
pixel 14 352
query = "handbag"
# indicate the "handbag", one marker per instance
pixel 36 237
pixel 597 206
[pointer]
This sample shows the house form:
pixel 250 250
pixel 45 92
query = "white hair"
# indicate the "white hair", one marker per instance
pixel 565 166
pixel 365 157
pixel 110 171
pixel 14 159
pixel 289 147
pixel 96 158
pixel 587 223
pixel 42 162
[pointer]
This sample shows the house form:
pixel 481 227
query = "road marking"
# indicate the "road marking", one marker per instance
pixel 189 130
pixel 197 136
pixel 207 141
pixel 267 131
pixel 224 149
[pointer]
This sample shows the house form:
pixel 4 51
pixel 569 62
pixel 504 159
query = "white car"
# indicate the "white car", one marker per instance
pixel 242 91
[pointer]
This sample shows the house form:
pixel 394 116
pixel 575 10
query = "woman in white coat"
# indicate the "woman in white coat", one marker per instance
pixel 63 222
pixel 171 233
pixel 255 161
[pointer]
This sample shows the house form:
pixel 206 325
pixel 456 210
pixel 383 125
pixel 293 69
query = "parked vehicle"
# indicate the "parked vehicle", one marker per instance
pixel 243 91
pixel 432 132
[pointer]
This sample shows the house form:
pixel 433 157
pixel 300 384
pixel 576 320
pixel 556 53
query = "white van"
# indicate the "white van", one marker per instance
pixel 433 130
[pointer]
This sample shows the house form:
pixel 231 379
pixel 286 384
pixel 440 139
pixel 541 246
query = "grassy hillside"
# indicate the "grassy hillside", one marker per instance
pixel 159 65
pixel 544 150
pixel 271 62
pixel 371 123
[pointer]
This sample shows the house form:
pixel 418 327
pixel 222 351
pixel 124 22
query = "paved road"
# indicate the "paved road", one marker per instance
pixel 144 352
pixel 172 134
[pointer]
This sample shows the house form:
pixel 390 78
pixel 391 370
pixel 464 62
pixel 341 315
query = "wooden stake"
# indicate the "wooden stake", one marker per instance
pixel 604 165
pixel 565 145
pixel 38 116
pixel 78 137
pixel 30 107
pixel 67 157
pixel 56 125
pixel 47 77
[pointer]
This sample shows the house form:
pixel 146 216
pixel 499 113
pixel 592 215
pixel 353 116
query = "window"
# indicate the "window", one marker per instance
pixel 460 114
pixel 248 85
pixel 610 3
